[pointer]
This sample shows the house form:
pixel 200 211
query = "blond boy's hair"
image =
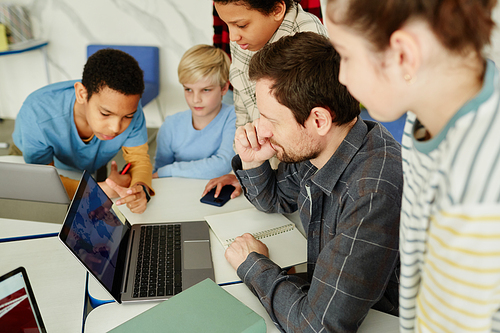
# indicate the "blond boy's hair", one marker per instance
pixel 204 61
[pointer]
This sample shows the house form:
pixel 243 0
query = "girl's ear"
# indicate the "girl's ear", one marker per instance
pixel 406 52
pixel 279 11
pixel 80 93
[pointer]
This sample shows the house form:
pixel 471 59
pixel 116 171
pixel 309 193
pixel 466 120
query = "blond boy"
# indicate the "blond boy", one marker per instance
pixel 198 143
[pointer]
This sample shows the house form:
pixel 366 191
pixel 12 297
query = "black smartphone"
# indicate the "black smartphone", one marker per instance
pixel 224 196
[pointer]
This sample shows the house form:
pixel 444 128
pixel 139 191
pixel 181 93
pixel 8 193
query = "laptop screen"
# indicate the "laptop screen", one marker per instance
pixel 18 309
pixel 97 233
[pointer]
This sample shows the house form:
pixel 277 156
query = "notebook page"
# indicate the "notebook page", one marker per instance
pixel 287 249
pixel 287 246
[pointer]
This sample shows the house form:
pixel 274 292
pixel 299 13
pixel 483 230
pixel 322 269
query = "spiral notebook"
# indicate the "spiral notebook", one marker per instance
pixel 287 246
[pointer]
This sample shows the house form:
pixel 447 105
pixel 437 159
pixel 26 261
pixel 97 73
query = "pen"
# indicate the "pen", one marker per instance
pixel 229 283
pixel 125 169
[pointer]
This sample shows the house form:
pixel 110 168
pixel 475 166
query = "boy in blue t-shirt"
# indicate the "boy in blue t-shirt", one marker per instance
pixel 198 143
pixel 81 125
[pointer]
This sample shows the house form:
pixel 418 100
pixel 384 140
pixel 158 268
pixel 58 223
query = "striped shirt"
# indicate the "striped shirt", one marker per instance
pixel 245 103
pixel 450 220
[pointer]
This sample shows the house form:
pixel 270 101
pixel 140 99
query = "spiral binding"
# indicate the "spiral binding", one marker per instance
pixel 268 233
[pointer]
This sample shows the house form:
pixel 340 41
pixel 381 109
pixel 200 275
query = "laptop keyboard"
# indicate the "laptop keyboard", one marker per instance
pixel 159 261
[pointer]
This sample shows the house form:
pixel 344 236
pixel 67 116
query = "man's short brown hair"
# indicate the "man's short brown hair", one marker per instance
pixel 305 69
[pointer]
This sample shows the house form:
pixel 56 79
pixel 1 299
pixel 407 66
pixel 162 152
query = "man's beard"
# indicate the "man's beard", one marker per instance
pixel 311 152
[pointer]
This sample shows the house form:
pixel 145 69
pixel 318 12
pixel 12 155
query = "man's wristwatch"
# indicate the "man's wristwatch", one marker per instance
pixel 146 190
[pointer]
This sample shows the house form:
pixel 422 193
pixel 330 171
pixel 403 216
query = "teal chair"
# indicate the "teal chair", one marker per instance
pixel 396 127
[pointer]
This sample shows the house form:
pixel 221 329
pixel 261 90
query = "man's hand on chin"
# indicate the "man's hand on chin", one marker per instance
pixel 252 149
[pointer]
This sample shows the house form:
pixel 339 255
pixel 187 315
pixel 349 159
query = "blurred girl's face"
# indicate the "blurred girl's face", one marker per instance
pixel 250 28
pixel 368 75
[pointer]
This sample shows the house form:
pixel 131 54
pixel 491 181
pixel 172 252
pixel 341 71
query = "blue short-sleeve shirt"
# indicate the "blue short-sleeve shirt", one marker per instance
pixel 45 131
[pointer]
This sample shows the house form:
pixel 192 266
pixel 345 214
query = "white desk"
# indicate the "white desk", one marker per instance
pixel 57 279
pixel 17 228
pixel 108 316
pixel 178 199
pixel 375 321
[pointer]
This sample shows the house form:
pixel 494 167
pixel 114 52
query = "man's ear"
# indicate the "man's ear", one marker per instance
pixel 279 11
pixel 321 120
pixel 225 88
pixel 80 93
pixel 405 51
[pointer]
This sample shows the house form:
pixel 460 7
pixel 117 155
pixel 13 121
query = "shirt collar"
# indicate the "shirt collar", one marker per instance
pixel 489 82
pixel 286 26
pixel 327 177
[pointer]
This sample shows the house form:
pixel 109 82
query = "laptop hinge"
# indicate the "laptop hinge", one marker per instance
pixel 127 269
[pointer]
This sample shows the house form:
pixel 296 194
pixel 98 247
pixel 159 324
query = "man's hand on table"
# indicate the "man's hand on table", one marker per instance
pixel 242 246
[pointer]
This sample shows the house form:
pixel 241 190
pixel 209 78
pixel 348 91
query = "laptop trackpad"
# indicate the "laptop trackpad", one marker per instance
pixel 197 255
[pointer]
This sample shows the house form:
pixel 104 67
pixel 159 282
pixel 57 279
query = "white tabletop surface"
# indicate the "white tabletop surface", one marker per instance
pixel 108 316
pixel 375 321
pixel 57 280
pixel 178 200
pixel 16 228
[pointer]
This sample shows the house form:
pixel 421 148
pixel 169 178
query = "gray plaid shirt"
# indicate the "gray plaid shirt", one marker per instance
pixel 245 103
pixel 352 229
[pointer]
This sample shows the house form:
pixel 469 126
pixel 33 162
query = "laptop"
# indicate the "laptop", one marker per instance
pixel 18 309
pixel 117 253
pixel 32 192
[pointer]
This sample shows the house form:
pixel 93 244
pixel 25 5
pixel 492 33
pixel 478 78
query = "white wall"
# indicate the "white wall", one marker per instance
pixel 70 25
pixel 493 51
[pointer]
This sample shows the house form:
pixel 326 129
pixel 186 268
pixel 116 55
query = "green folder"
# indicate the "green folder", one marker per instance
pixel 205 307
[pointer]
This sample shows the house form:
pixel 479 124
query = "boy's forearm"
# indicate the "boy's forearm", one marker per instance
pixel 142 169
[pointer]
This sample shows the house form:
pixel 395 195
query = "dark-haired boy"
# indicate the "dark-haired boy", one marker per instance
pixel 341 173
pixel 81 125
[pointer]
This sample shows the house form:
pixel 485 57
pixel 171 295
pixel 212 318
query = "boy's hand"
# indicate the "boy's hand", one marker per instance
pixel 134 197
pixel 114 175
pixel 253 150
pixel 242 246
pixel 219 182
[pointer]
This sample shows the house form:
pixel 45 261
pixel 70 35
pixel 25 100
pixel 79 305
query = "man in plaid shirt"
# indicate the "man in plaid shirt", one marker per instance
pixel 343 174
